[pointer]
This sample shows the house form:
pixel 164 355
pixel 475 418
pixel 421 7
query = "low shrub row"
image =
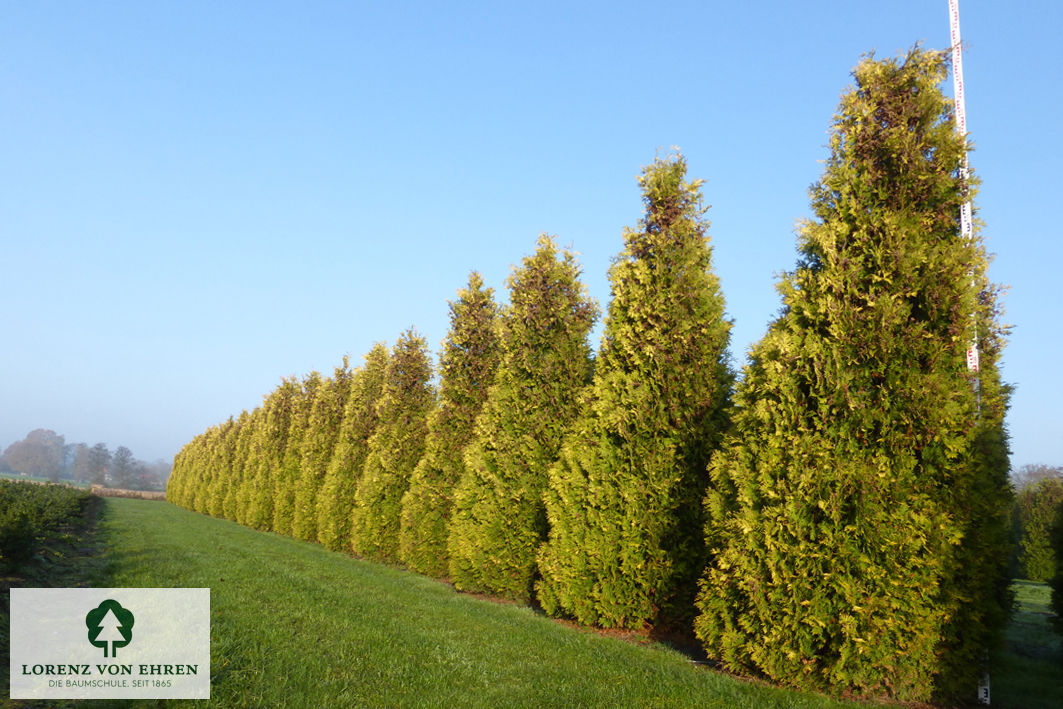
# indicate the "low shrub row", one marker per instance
pixel 28 511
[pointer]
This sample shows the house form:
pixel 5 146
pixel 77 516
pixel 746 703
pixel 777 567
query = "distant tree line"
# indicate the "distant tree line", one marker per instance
pixel 1037 528
pixel 45 454
pixel 1038 499
pixel 835 518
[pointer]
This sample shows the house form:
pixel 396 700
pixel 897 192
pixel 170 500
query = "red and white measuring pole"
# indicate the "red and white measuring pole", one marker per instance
pixel 966 227
pixel 967 230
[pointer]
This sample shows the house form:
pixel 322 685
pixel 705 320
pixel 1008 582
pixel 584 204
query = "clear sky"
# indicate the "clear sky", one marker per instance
pixel 198 198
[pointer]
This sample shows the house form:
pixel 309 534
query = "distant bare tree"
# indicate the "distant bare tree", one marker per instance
pixel 123 467
pixel 1030 475
pixel 99 461
pixel 82 463
pixel 39 454
pixel 157 474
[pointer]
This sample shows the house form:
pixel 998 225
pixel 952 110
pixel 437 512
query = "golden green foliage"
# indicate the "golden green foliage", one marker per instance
pixel 286 476
pixel 249 454
pixel 323 427
pixel 270 442
pixel 857 510
pixel 624 501
pixel 467 367
pixel 498 520
pixel 241 445
pixel 336 500
pixel 395 447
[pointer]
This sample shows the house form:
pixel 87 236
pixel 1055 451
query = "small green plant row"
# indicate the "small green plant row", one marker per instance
pixel 29 510
pixel 835 519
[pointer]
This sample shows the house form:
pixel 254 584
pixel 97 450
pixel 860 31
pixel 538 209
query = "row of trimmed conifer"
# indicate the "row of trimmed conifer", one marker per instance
pixel 836 518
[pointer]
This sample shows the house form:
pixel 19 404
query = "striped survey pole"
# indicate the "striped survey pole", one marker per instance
pixel 966 227
pixel 967 231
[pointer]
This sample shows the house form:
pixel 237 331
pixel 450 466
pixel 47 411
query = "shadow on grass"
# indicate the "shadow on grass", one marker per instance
pixel 1028 671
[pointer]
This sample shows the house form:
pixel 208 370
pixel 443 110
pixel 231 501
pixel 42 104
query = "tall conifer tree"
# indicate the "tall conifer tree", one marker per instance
pixel 467 367
pixel 197 480
pixel 220 467
pixel 177 483
pixel 241 440
pixel 394 449
pixel 336 500
pixel 498 520
pixel 252 462
pixel 323 427
pixel 271 439
pixel 859 508
pixel 625 498
pixel 287 477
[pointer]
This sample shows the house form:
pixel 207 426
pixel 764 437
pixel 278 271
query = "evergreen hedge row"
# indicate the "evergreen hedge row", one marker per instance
pixel 845 504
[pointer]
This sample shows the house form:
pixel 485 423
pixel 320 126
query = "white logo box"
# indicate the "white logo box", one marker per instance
pixel 138 643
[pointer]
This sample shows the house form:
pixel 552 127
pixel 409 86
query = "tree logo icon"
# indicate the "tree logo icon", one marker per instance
pixel 110 624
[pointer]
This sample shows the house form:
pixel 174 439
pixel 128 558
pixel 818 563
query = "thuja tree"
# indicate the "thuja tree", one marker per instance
pixel 250 451
pixel 287 475
pixel 394 449
pixel 977 585
pixel 203 469
pixel 335 503
pixel 179 486
pixel 270 440
pixel 241 447
pixel 199 469
pixel 498 520
pixel 858 511
pixel 221 461
pixel 467 366
pixel 323 427
pixel 624 501
pixel 1035 508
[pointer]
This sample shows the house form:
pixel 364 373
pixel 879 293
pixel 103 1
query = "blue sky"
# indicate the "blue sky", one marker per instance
pixel 198 198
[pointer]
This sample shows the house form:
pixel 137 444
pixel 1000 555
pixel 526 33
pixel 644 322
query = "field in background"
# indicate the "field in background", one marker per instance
pixel 137 494
pixel 33 479
pixel 95 489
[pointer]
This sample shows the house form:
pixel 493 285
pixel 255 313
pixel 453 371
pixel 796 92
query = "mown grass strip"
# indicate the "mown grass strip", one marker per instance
pixel 1027 673
pixel 296 625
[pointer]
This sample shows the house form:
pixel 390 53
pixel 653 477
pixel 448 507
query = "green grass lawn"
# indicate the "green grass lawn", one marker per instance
pixel 295 625
pixel 1028 674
